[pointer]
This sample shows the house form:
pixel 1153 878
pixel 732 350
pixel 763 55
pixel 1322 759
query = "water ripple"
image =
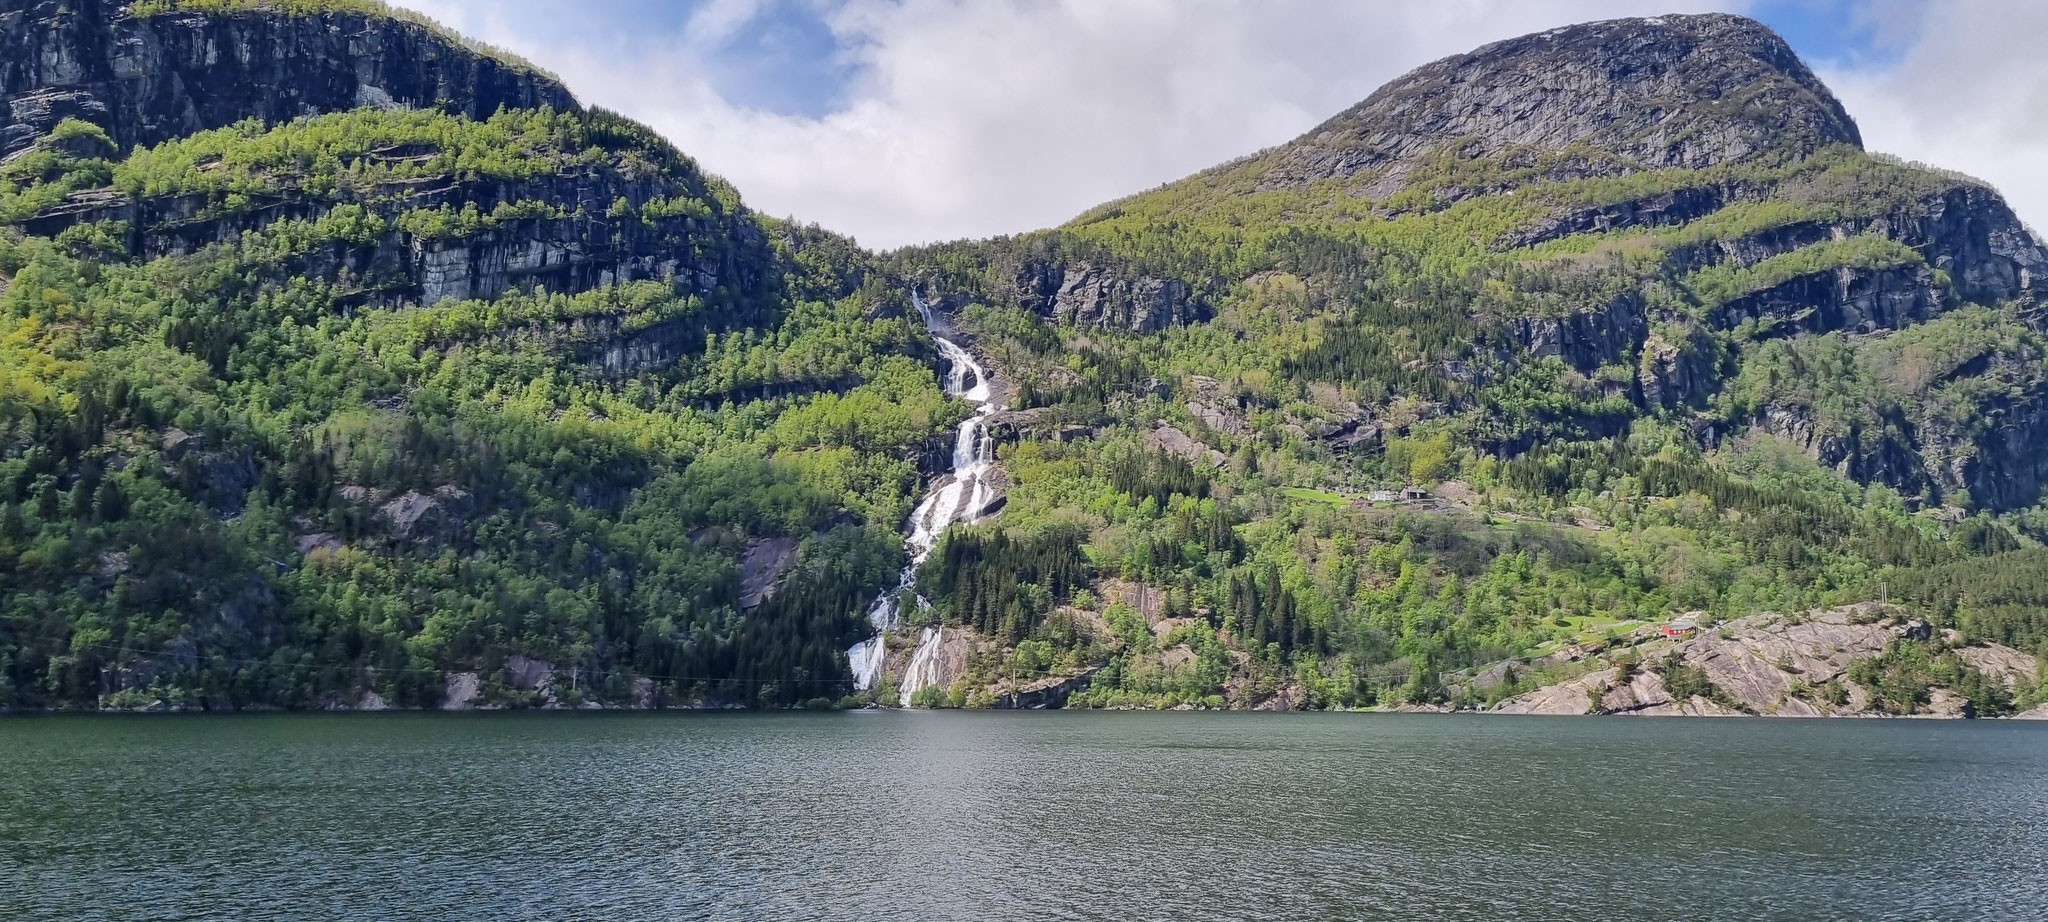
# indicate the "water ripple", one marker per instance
pixel 929 816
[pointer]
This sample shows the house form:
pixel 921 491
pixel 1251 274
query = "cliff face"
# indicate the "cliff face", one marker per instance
pixel 146 79
pixel 1090 296
pixel 581 245
pixel 1034 274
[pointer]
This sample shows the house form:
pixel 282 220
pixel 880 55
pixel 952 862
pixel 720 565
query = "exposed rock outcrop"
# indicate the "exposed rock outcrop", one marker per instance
pixel 1885 455
pixel 1667 91
pixel 1588 339
pixel 1679 369
pixel 1858 300
pixel 2016 670
pixel 1971 233
pixel 1175 442
pixel 2003 465
pixel 1087 295
pixel 762 567
pixel 149 78
pixel 583 245
pixel 463 691
pixel 1767 664
pixel 1047 693
pixel 1677 206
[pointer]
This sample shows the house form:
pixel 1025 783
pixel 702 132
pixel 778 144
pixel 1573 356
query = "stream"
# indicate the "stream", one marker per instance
pixel 955 497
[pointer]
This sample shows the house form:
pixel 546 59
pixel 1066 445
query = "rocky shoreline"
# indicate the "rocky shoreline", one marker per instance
pixel 1811 664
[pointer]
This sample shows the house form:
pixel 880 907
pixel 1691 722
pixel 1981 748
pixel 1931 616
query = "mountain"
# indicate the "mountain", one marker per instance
pixel 1627 300
pixel 345 363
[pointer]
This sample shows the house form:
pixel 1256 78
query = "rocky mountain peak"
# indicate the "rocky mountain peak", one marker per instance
pixel 1667 91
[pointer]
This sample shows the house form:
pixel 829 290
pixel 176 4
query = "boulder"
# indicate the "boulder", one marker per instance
pixel 1175 442
pixel 461 691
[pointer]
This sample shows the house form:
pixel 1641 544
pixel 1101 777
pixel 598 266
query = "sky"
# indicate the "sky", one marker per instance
pixel 911 121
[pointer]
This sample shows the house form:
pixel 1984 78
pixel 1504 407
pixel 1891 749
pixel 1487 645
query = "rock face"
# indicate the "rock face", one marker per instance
pixel 1677 370
pixel 1173 441
pixel 1666 208
pixel 149 78
pixel 1842 299
pixel 1767 664
pixel 462 691
pixel 1881 457
pixel 1087 295
pixel 1971 233
pixel 1668 91
pixel 1588 339
pixel 580 247
pixel 762 568
pixel 1047 693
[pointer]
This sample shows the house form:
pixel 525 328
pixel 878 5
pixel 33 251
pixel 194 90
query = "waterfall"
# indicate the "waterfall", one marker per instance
pixel 924 662
pixel 955 497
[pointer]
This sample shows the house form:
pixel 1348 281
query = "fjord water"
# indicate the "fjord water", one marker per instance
pixel 959 816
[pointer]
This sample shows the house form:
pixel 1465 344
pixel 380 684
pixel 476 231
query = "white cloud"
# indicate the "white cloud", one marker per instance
pixel 1969 92
pixel 979 117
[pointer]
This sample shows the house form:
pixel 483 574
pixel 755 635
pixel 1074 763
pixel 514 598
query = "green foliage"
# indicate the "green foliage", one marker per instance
pixel 1723 283
pixel 232 476
pixel 250 468
pixel 1396 315
pixel 2001 598
pixel 1683 681
pixel 1000 585
pixel 1900 680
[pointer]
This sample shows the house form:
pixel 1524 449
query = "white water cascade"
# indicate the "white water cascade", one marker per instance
pixel 956 497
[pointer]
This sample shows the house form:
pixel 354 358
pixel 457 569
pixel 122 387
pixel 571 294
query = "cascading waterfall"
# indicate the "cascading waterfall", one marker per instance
pixel 957 497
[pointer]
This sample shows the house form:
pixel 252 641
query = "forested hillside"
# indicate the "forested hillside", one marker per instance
pixel 319 411
pixel 1628 301
pixel 409 381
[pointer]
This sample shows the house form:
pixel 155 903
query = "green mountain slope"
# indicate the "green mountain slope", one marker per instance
pixel 408 381
pixel 1628 297
pixel 296 412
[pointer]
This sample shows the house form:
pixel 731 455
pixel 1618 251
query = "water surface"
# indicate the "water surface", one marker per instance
pixel 965 816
